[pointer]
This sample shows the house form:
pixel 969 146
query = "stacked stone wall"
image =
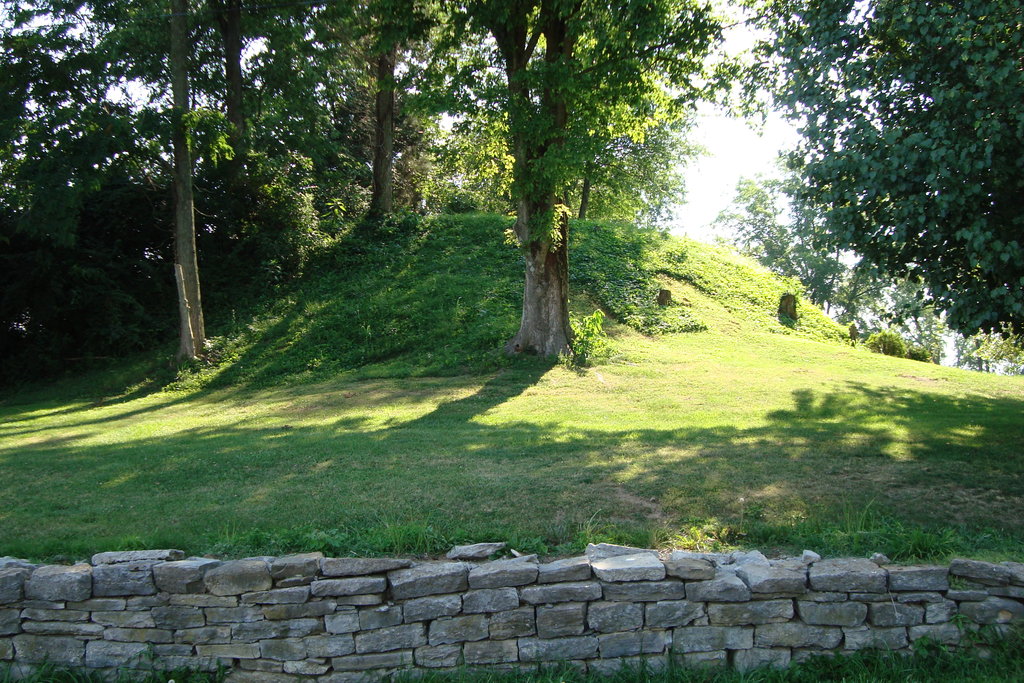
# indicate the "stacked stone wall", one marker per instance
pixel 311 618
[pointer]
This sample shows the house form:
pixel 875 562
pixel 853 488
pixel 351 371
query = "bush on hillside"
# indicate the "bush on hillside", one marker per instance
pixel 921 353
pixel 887 342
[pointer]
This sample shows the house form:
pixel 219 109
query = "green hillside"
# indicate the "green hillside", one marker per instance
pixel 366 408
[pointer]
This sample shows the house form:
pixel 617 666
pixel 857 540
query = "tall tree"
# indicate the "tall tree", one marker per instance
pixel 912 115
pixel 568 68
pixel 186 264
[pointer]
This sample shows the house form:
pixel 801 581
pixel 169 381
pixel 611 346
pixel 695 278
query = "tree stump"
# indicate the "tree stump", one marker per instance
pixel 853 332
pixel 787 307
pixel 664 297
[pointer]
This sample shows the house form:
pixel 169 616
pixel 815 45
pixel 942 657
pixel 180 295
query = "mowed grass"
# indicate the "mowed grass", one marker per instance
pixel 733 435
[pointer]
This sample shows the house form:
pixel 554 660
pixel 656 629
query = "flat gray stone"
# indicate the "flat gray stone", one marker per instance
pixel 761 658
pixel 569 569
pixel 711 638
pixel 380 617
pixel 767 579
pixel 988 573
pixel 889 614
pixel 993 610
pixel 317 608
pixel 277 596
pixel 672 613
pixel 848 575
pixel 101 654
pixel 944 634
pixel 635 567
pixel 918 578
pixel 517 623
pixel 384 660
pixel 438 656
pixel 284 649
pixel 564 619
pixel 749 557
pixel 174 618
pixel 1016 570
pixel 10 622
pixel 750 613
pixel 360 566
pixel 561 592
pixel 357 585
pixel 476 551
pixel 491 652
pixel 60 584
pixel 725 587
pixel 690 568
pixel 939 612
pixel 428 579
pixel 613 645
pixel 432 607
pixel 797 635
pixel 113 580
pixel 299 566
pixel 63 651
pixel 123 556
pixel 345 621
pixel 866 637
pixel 487 600
pixel 832 613
pixel 609 617
pixel 717 559
pixel 503 573
pixel 458 629
pixel 8 562
pixel 183 576
pixel 12 584
pixel 602 551
pixel 557 649
pixel 330 646
pixel 238 576
pixel 645 591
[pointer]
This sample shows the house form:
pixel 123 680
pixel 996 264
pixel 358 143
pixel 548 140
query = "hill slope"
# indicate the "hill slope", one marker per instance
pixel 741 430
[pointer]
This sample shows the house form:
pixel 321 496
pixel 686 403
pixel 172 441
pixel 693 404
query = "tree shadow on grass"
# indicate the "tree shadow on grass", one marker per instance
pixel 465 462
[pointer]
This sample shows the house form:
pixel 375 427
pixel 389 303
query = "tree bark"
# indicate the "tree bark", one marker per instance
pixel 585 198
pixel 382 198
pixel 193 335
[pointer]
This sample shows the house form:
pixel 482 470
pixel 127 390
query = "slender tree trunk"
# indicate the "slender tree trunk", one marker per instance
pixel 229 19
pixel 382 199
pixel 585 198
pixel 186 268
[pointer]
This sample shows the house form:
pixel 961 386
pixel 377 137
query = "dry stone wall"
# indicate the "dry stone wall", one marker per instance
pixel 312 618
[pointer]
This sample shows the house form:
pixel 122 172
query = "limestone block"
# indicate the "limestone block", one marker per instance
pixel 384 660
pixel 266 630
pixel 491 652
pixel 944 634
pixel 429 579
pixel 432 607
pixel 103 653
pixel 438 656
pixel 317 608
pixel 330 646
pixel 237 577
pixel 766 579
pixel 620 644
pixel 760 658
pixel 706 660
pixel 716 559
pixel 863 637
pixel 609 617
pixel 711 638
pixel 919 597
pixel 918 578
pixel 12 583
pixel 359 585
pixel 561 592
pixel 655 641
pixel 232 615
pixel 6 649
pixel 569 569
pixel 848 575
pixel 342 621
pixel 138 635
pixel 488 600
pixel 380 617
pixel 61 651
pixel 120 557
pixel 278 596
pixel 750 613
pixel 939 612
pixel 1016 570
pixel 889 614
pixel 308 667
pixel 178 617
pixel 749 557
pixel 645 591
pixel 690 569
pixel 98 605
pixel 10 622
pixel 125 619
pixel 557 649
pixel 602 551
pixel 725 587
pixel 502 573
pixel 59 583
pixel 565 619
pixel 795 634
pixel 987 573
pixel 36 614
pixel 390 638
pixel 832 613
pixel 458 629
pixel 672 613
pixel 230 651
pixel 476 551
pixel 517 623
pixel 299 566
pixel 993 610
pixel 62 628
pixel 635 567
pixel 286 649
pixel 360 566
pixel 202 600
pixel 207 635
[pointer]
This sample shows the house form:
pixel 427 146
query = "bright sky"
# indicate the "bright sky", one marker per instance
pixel 734 150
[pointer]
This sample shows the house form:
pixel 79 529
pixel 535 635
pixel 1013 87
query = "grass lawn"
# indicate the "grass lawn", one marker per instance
pixel 690 438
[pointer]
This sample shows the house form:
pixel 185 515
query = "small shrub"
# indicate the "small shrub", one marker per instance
pixel 887 342
pixel 921 353
pixel 589 338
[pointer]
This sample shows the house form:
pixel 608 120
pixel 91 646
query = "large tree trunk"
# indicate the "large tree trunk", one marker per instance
pixel 186 267
pixel 382 198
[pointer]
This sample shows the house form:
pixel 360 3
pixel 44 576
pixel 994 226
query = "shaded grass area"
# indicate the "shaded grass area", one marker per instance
pixel 696 440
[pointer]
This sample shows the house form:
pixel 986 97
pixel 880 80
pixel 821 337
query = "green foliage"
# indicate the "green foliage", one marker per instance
pixel 618 264
pixel 887 342
pixel 919 353
pixel 589 341
pixel 909 150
